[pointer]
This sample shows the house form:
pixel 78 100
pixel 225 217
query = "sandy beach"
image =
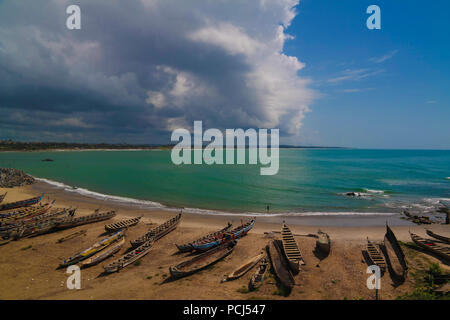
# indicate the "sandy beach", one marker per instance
pixel 28 266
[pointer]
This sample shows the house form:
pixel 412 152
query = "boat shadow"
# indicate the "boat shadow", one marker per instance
pixel 434 255
pixel 396 281
pixel 320 255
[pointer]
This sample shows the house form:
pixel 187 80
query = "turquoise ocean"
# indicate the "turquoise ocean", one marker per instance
pixel 309 181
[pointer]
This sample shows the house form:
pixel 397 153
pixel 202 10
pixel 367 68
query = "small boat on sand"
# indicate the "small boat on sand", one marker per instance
pixel 187 247
pixel 244 268
pixel 21 203
pixel 291 249
pixel 258 277
pixel 323 242
pixel 203 260
pixel 279 264
pixel 129 257
pixel 158 232
pixel 441 250
pixel 395 255
pixel 113 227
pixel 375 255
pixel 438 236
pixel 102 255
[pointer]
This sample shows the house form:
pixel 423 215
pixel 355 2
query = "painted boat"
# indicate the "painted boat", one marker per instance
pixel 234 234
pixel 203 260
pixel 21 203
pixel 290 249
pixel 158 232
pixel 244 268
pixel 395 255
pixel 375 255
pixel 279 264
pixel 441 250
pixel 91 218
pixel 258 277
pixel 323 242
pixel 122 224
pixel 129 258
pixel 97 247
pixel 102 255
pixel 28 213
pixel 3 197
pixel 438 236
pixel 187 247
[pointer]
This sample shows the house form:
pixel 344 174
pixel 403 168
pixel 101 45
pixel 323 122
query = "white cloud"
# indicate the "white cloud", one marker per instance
pixel 385 57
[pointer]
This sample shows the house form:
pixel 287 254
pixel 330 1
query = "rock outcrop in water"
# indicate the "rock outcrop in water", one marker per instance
pixel 10 177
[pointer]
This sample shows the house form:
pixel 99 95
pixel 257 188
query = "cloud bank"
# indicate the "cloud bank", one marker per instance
pixel 137 70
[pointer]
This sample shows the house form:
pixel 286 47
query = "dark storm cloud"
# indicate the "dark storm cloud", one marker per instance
pixel 139 69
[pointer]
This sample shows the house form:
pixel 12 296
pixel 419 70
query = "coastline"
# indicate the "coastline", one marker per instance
pixel 28 265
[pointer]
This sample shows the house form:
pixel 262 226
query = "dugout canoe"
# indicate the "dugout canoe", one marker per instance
pixel 21 203
pixel 234 234
pixel 280 265
pixel 91 218
pixel 438 236
pixel 375 255
pixel 92 250
pixel 158 232
pixel 122 224
pixel 395 255
pixel 187 247
pixel 129 258
pixel 290 249
pixel 103 255
pixel 202 260
pixel 441 250
pixel 323 242
pixel 244 268
pixel 258 277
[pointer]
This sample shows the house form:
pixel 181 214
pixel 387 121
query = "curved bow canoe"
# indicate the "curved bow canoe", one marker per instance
pixel 258 277
pixel 158 232
pixel 395 255
pixel 438 236
pixel 21 203
pixel 375 255
pixel 122 224
pixel 323 242
pixel 279 264
pixel 203 260
pixel 441 250
pixel 244 268
pixel 187 247
pixel 291 250
pixel 129 258
pixel 102 255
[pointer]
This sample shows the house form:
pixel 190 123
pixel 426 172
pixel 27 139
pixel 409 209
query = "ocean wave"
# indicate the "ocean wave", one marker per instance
pixel 156 205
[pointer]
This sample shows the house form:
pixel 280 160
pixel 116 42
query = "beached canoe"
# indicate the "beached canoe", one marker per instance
pixel 203 260
pixel 72 222
pixel 158 232
pixel 187 247
pixel 102 255
pixel 97 247
pixel 244 268
pixel 290 249
pixel 375 255
pixel 129 258
pixel 438 236
pixel 234 234
pixel 441 250
pixel 113 227
pixel 258 277
pixel 21 203
pixel 323 242
pixel 395 255
pixel 280 265
pixel 30 212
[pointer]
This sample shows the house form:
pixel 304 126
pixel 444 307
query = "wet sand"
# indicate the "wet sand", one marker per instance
pixel 28 266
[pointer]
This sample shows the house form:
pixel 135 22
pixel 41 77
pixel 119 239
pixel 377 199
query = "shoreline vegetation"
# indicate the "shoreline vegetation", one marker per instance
pixel 10 145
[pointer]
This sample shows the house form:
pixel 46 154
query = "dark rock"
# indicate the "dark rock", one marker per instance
pixel 10 177
pixel 47 160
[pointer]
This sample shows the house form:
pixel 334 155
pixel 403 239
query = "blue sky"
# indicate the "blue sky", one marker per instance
pixel 385 88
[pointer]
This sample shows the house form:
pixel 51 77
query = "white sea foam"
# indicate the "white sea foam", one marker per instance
pixel 373 191
pixel 156 205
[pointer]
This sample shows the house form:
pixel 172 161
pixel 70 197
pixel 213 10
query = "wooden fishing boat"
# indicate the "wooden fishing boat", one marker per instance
pixel 35 219
pixel 21 203
pixel 441 250
pixel 129 258
pixel 25 214
pixel 97 247
pixel 122 224
pixel 438 236
pixel 258 276
pixel 203 260
pixel 91 218
pixel 375 255
pixel 279 264
pixel 3 197
pixel 102 255
pixel 21 211
pixel 234 234
pixel 158 232
pixel 187 247
pixel 323 242
pixel 244 268
pixel 71 236
pixel 290 249
pixel 395 255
